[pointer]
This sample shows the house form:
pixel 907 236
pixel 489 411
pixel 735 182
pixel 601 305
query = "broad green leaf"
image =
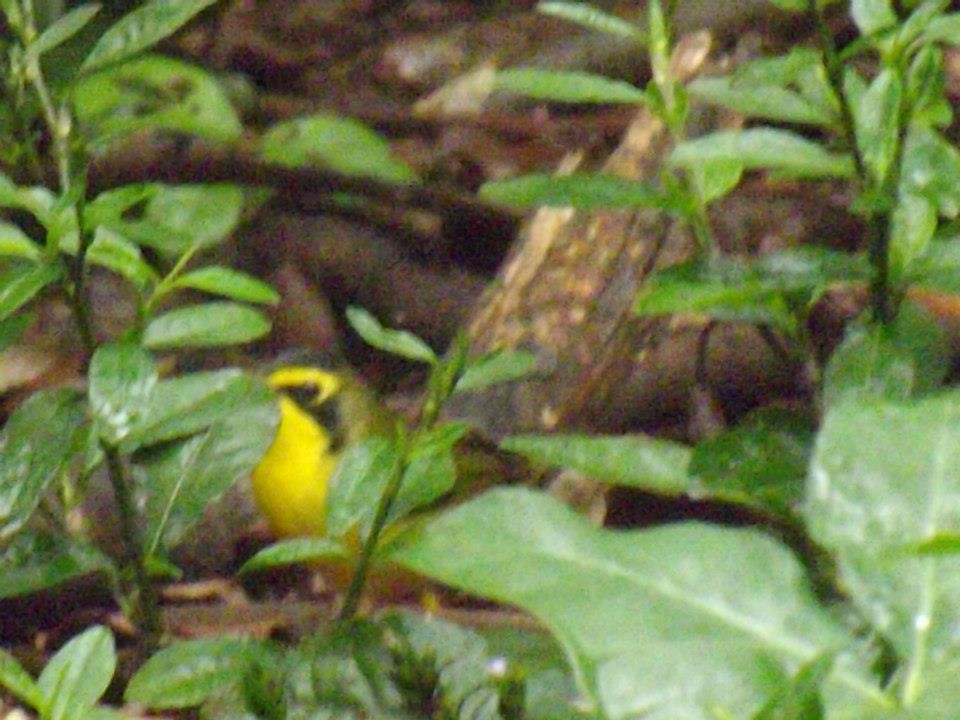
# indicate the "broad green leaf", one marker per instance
pixel 140 29
pixel 762 461
pixel 580 190
pixel 178 481
pixel 872 16
pixel 765 148
pixel 496 368
pixel 342 144
pixel 631 460
pixel 931 169
pixel 945 29
pixel 186 673
pixel 912 227
pixel 568 86
pixel 358 482
pixel 907 358
pixel 210 325
pixel 877 120
pixel 770 102
pixel 154 93
pixel 395 342
pixel 13 327
pixel 14 242
pixel 715 178
pixel 42 437
pixel 35 561
pixel 688 620
pixel 229 283
pixel 940 544
pixel 38 201
pixel 18 681
pixel 295 551
pixel 78 675
pixel 866 501
pixel 189 404
pixel 20 284
pixel 926 89
pixel 64 28
pixel 430 474
pixel 593 18
pixel 174 219
pixel 731 293
pixel 122 380
pixel 116 253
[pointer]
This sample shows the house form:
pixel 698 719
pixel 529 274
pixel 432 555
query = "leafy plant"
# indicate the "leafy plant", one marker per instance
pixel 72 682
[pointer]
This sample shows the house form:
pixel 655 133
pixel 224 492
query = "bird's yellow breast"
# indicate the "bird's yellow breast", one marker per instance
pixel 290 482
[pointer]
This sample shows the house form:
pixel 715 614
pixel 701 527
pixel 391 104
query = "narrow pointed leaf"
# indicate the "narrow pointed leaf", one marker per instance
pixel 210 325
pixel 141 29
pixel 229 283
pixel 568 86
pixel 78 675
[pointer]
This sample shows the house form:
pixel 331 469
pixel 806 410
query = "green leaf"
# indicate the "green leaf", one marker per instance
pixel 14 242
pixel 715 178
pixel 800 699
pixel 18 681
pixel 765 148
pixel 64 28
pixel 931 169
pixel 395 342
pixel 78 675
pixel 35 561
pixel 229 283
pixel 907 358
pixel 38 201
pixel 918 21
pixel 190 404
pixel 940 544
pixel 926 89
pixel 496 368
pixel 630 460
pixel 154 93
pixel 685 620
pixel 872 16
pixel 116 253
pixel 173 219
pixel 179 481
pixel 912 226
pixel 945 29
pixel 568 86
pixel 770 102
pixel 866 501
pixel 725 291
pixel 295 551
pixel 139 30
pixel 580 190
pixel 20 284
pixel 342 144
pixel 122 380
pixel 593 18
pixel 358 482
pixel 210 325
pixel 42 437
pixel 877 120
pixel 762 461
pixel 431 472
pixel 13 327
pixel 186 673
pixel 791 5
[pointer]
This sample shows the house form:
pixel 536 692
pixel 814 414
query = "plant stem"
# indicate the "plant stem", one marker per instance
pixel 142 601
pixel 352 601
pixel 878 239
pixel 145 606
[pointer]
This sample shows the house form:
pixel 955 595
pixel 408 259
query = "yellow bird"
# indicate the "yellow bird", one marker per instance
pixel 321 413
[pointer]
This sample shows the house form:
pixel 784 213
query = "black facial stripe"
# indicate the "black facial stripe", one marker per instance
pixel 328 416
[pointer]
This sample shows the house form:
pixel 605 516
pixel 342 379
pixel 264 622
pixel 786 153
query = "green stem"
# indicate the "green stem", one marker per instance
pixel 878 238
pixel 352 601
pixel 144 605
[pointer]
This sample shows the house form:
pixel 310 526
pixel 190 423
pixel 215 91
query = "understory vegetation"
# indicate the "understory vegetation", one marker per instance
pixel 842 603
